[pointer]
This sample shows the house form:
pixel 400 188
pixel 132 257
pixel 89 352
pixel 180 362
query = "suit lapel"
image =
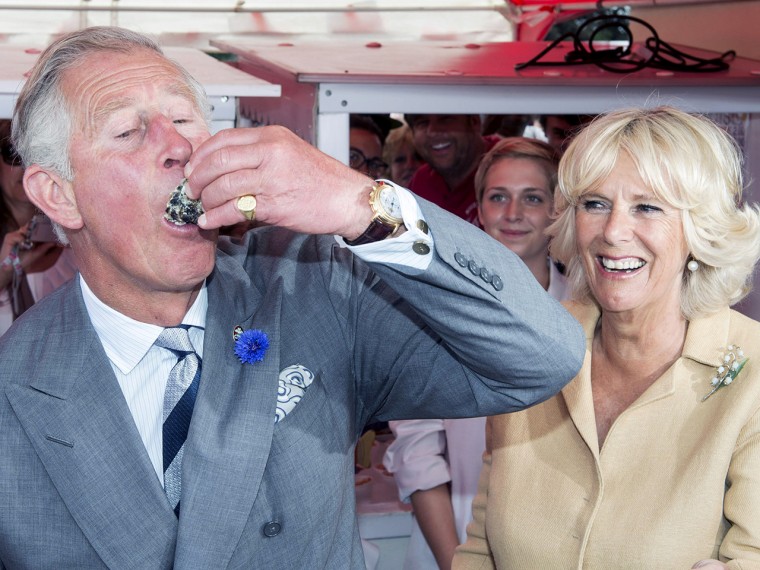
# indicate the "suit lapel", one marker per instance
pixel 580 405
pixel 231 431
pixel 707 338
pixel 81 428
pixel 577 394
pixel 704 337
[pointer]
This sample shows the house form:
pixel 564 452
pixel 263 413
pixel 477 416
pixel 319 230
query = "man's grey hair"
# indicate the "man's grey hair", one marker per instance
pixel 42 120
pixel 43 117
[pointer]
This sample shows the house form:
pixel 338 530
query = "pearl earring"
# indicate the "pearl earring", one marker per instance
pixel 692 266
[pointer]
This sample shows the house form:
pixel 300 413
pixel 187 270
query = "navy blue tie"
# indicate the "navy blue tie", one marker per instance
pixel 179 399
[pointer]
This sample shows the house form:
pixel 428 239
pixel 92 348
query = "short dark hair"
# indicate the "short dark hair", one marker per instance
pixel 365 123
pixel 573 120
pixel 413 118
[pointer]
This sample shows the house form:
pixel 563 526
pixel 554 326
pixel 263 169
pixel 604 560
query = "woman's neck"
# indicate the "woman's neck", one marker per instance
pixel 642 344
pixel 539 267
pixel 629 354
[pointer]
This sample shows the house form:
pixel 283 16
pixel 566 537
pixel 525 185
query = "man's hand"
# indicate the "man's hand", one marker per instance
pixel 296 186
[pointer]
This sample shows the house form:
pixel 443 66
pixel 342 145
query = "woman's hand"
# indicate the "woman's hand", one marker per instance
pixel 710 564
pixel 27 257
pixel 10 240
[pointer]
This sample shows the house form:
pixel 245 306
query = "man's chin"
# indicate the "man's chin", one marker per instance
pixel 444 168
pixel 192 265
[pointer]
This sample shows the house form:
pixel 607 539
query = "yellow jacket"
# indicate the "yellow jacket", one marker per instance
pixel 677 479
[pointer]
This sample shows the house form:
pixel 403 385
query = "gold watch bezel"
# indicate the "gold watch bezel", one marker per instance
pixel 377 206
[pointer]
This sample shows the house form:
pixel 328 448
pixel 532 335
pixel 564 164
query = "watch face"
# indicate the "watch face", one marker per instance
pixel 390 202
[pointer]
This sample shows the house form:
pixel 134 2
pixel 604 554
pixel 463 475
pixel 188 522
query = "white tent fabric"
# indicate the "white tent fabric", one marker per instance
pixel 193 22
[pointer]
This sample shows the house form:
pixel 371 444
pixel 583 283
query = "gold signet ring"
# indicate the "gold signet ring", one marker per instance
pixel 246 205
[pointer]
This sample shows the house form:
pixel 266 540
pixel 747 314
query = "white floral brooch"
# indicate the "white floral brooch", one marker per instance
pixel 733 362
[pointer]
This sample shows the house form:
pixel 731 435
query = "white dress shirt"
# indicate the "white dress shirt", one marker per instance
pixel 141 368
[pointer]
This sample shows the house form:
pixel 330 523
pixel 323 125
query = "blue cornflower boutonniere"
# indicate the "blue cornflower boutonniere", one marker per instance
pixel 250 345
pixel 733 362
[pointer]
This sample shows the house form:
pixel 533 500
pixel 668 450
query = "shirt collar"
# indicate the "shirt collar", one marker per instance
pixel 125 340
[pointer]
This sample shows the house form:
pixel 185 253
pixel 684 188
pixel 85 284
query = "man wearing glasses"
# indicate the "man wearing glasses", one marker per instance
pixel 366 147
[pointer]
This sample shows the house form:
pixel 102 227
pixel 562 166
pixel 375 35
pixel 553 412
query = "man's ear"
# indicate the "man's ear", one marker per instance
pixel 53 195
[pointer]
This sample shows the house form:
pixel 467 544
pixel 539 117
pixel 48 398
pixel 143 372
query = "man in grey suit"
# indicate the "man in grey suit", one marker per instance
pixel 298 339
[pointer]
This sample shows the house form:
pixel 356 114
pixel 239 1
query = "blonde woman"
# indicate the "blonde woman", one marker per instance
pixel 650 457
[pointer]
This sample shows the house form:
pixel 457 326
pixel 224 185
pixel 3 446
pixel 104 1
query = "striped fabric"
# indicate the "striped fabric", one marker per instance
pixel 179 399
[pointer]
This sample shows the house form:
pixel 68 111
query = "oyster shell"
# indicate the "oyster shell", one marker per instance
pixel 182 210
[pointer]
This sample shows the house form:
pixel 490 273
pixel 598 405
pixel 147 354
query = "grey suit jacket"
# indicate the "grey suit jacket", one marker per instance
pixel 77 489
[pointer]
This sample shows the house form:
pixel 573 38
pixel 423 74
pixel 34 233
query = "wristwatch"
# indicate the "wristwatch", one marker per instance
pixel 387 208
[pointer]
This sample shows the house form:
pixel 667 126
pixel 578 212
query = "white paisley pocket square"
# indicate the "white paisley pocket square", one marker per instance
pixel 292 384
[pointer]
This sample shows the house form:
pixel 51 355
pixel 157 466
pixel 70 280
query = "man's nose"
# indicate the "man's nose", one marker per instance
pixel 176 148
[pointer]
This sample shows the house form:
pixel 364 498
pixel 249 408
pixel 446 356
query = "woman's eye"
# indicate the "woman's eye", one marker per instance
pixel 593 205
pixel 534 199
pixel 497 198
pixel 125 134
pixel 648 208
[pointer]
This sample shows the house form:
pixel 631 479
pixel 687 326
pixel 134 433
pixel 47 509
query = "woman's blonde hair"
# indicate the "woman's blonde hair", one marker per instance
pixel 538 151
pixel 690 164
pixel 395 140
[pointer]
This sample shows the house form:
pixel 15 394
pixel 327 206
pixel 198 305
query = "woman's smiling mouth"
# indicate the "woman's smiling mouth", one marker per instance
pixel 627 265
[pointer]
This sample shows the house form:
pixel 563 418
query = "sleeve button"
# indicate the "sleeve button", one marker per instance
pixel 421 248
pixel 497 283
pixel 460 259
pixel 272 528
